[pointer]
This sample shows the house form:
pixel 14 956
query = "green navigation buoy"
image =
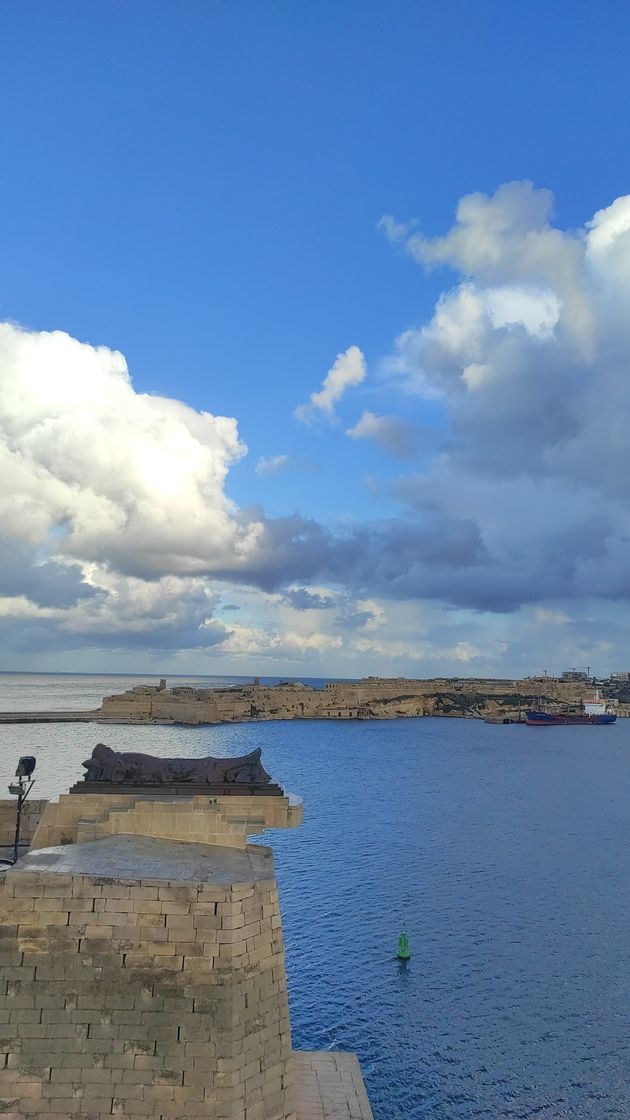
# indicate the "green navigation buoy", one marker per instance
pixel 403 951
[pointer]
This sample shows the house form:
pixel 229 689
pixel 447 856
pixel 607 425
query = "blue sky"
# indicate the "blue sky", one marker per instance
pixel 201 187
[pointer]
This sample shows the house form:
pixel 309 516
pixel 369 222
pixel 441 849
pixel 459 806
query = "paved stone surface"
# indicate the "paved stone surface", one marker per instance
pixel 137 857
pixel 329 1086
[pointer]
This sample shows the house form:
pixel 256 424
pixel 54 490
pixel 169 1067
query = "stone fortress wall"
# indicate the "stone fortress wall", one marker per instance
pixel 370 698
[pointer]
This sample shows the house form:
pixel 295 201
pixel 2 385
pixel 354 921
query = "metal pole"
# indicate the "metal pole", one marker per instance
pixel 22 795
pixel 18 822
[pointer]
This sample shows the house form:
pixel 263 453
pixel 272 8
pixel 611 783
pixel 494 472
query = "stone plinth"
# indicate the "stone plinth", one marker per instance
pixel 227 820
pixel 144 978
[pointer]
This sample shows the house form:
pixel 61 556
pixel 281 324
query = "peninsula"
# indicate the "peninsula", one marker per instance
pixel 495 700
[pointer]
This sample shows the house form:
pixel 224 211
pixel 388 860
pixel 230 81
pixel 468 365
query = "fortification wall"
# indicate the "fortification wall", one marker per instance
pixel 127 705
pixel 371 698
pixel 184 710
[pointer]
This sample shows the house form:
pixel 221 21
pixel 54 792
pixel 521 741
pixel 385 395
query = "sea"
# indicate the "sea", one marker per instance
pixel 503 851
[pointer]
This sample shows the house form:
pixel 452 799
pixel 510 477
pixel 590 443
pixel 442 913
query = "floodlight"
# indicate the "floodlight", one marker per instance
pixel 26 765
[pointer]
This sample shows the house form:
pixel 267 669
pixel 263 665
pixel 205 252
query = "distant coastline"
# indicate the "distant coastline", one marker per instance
pixel 492 699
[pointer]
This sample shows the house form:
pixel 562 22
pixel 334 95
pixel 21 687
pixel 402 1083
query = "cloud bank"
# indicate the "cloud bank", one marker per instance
pixel 118 531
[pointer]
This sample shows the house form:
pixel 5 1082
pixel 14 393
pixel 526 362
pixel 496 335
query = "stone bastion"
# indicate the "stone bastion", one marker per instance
pixel 142 969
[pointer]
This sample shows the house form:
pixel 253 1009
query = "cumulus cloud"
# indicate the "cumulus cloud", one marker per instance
pixel 119 531
pixel 118 476
pixel 508 239
pixel 390 432
pixel 525 352
pixel 46 582
pixel 349 369
pixel 271 464
pixel 528 356
pixel 274 645
pixel 399 556
pixel 122 611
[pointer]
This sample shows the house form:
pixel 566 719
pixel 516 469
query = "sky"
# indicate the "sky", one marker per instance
pixel 314 337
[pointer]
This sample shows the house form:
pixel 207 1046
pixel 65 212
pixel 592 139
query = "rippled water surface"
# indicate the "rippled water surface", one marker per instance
pixel 502 850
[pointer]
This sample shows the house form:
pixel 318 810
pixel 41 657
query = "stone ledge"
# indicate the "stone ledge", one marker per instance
pixel 170 790
pixel 329 1086
pixel 134 859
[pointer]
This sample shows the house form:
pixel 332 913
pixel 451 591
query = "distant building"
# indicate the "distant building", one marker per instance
pixel 574 675
pixel 621 678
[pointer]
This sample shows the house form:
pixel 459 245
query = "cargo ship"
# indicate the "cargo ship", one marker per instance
pixel 593 712
pixel 558 719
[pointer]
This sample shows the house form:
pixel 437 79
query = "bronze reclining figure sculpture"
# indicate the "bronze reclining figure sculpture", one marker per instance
pixel 131 768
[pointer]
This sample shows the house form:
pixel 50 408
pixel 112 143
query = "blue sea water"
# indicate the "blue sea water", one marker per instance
pixel 504 853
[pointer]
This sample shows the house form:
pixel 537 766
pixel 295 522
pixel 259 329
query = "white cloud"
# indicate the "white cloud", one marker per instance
pixel 116 475
pixel 249 642
pixel 389 432
pixel 271 464
pixel 537 310
pixel 19 606
pixel 427 652
pixel 508 239
pixel 394 231
pixel 377 618
pixel 526 354
pixel 551 616
pixel 349 369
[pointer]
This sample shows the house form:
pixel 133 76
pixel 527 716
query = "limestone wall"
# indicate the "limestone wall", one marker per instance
pixel 143 997
pixel 127 705
pixel 31 815
pixel 184 710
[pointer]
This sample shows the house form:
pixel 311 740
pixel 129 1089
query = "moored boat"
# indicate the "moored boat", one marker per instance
pixel 594 712
pixel 558 719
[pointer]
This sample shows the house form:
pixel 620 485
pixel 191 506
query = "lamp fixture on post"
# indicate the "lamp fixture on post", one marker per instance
pixel 21 790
